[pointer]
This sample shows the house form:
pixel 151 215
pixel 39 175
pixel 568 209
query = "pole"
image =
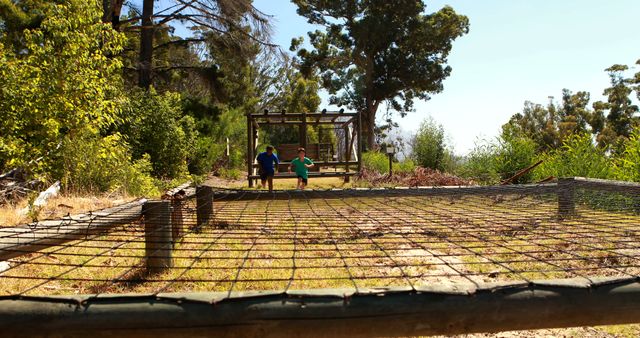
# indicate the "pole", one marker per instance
pixel 390 164
pixel 157 235
pixel 249 150
pixel 359 126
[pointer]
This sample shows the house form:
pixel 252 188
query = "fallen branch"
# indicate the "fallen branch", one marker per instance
pixel 520 173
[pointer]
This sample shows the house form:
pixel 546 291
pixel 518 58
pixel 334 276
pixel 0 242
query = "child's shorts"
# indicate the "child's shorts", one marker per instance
pixel 304 180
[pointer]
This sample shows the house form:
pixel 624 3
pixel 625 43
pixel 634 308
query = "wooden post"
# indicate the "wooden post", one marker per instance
pixel 566 197
pixel 303 131
pixel 347 148
pixel 157 231
pixel 177 221
pixel 204 205
pixel 249 150
pixel 390 164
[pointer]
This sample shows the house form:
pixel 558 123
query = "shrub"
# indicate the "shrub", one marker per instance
pixel 578 156
pixel 478 165
pixel 98 164
pixel 62 83
pixel 628 163
pixel 375 161
pixel 489 162
pixel 207 154
pixel 405 166
pixel 155 126
pixel 513 154
pixel 429 145
pixel 232 174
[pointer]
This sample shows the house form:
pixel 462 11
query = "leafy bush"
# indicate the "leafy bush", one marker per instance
pixel 478 165
pixel 232 174
pixel 578 156
pixel 64 84
pixel 406 166
pixel 489 162
pixel 231 124
pixel 628 163
pixel 207 153
pixel 98 164
pixel 513 154
pixel 375 161
pixel 155 126
pixel 428 145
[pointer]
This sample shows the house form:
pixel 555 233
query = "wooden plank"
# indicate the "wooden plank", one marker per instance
pixel 17 241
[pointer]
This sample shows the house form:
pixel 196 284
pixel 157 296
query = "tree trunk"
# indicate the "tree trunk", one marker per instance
pixel 111 12
pixel 369 126
pixel 146 45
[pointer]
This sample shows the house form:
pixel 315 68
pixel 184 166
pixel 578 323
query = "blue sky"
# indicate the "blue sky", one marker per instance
pixel 517 50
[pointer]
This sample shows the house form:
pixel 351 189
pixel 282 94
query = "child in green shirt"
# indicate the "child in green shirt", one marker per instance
pixel 301 165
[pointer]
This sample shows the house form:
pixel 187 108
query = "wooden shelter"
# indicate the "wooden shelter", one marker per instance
pixel 343 160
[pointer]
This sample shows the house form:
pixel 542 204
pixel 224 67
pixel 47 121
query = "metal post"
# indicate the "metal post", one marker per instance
pixel 157 234
pixel 204 205
pixel 566 197
pixel 390 164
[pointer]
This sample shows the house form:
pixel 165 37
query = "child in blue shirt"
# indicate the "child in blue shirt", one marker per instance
pixel 266 169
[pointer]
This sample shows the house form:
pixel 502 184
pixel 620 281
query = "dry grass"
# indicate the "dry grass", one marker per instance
pixel 62 205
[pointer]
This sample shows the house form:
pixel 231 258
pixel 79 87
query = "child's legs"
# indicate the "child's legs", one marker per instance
pixel 303 183
pixel 299 184
pixel 270 180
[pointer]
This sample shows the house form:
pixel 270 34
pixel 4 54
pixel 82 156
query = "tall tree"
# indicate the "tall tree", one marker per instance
pixel 619 112
pixel 207 19
pixel 375 51
pixel 549 126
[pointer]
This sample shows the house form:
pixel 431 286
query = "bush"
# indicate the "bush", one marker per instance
pixel 375 161
pixel 478 165
pixel 207 154
pixel 489 162
pixel 231 174
pixel 155 126
pixel 428 145
pixel 628 163
pixel 406 166
pixel 578 156
pixel 513 154
pixel 98 164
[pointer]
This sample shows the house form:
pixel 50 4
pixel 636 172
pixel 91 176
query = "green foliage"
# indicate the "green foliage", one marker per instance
pixel 377 51
pixel 231 174
pixel 478 165
pixel 578 156
pixel 155 126
pixel 61 87
pixel 375 161
pixel 491 161
pixel 232 124
pixel 97 164
pixel 429 146
pixel 379 162
pixel 406 166
pixel 628 163
pixel 513 154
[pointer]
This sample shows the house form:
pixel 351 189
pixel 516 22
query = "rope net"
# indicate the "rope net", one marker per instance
pixel 346 239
